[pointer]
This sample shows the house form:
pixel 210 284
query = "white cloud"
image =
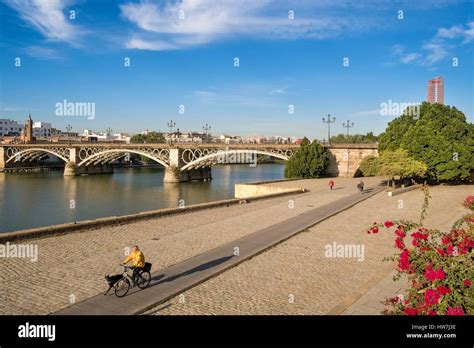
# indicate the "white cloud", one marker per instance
pixel 155 45
pixel 410 57
pixel 43 52
pixel 436 52
pixel 400 53
pixel 451 33
pixel 278 91
pixel 189 23
pixel 47 17
pixel 437 49
pixel 456 32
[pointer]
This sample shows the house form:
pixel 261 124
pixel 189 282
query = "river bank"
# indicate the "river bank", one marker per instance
pixel 33 200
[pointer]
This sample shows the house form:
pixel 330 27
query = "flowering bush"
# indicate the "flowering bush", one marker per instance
pixel 439 266
pixel 469 202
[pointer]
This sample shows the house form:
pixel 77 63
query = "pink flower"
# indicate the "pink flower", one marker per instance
pixel 455 311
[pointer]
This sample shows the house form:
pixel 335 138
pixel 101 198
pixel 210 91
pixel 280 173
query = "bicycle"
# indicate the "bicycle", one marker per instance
pixel 141 279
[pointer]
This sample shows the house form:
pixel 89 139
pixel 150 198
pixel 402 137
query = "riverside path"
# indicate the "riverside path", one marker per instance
pixel 171 281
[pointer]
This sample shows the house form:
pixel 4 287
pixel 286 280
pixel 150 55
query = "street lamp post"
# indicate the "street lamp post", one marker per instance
pixel 171 125
pixel 69 128
pixel 348 125
pixel 206 128
pixel 329 121
pixel 109 131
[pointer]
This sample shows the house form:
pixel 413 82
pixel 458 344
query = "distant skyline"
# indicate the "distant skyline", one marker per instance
pixel 342 58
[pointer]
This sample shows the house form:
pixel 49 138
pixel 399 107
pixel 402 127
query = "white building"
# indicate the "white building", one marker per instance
pixel 9 127
pixel 42 129
pixel 230 139
pixel 103 136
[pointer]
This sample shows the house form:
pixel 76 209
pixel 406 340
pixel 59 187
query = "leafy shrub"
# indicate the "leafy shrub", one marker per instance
pixel 439 266
pixel 370 166
pixel 309 161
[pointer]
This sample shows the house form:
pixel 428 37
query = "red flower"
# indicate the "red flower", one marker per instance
pixel 399 243
pixel 455 311
pixel 433 275
pixel 419 235
pixel 410 311
pixel 401 233
pixel 452 250
pixel 404 261
pixel 432 312
pixel 431 297
pixel 375 230
pixel 443 290
pixel 388 224
pixel 467 282
pixel 446 240
pixel 441 252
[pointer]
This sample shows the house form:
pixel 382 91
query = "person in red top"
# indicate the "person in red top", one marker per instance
pixel 331 184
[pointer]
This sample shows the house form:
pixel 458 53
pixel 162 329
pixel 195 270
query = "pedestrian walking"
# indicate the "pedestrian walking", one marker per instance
pixel 331 184
pixel 360 186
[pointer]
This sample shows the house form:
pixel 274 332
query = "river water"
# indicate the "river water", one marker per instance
pixel 40 199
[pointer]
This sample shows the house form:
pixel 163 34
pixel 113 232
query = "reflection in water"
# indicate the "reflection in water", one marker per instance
pixel 30 200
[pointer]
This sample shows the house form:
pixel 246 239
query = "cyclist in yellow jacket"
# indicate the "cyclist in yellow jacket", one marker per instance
pixel 137 258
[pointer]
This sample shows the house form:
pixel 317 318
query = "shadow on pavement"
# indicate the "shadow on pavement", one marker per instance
pixel 199 268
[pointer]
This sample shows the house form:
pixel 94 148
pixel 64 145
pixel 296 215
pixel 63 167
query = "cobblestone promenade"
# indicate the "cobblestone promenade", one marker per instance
pixel 293 277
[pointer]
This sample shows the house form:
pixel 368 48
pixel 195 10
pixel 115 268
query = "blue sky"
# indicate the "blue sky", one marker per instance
pixel 182 53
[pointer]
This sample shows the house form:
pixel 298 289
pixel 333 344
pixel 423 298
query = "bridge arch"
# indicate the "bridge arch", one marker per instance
pixel 210 158
pixel 98 155
pixel 21 153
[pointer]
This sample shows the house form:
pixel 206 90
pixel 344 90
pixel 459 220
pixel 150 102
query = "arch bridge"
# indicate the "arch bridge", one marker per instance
pixel 182 162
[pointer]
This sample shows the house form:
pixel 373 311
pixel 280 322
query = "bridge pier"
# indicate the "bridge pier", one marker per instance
pixel 176 175
pixel 72 169
pixel 3 159
pixel 173 173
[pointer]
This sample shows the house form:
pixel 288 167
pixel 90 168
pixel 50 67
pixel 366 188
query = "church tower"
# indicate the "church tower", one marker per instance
pixel 27 136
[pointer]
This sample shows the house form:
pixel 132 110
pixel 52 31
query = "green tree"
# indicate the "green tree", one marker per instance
pixel 370 166
pixel 440 137
pixel 368 138
pixel 398 163
pixel 150 138
pixel 309 161
pixel 305 141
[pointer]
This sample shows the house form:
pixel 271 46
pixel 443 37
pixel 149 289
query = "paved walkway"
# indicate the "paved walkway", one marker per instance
pixel 175 279
pixel 297 277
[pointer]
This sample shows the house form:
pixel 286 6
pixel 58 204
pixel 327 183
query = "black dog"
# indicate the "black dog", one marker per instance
pixel 112 280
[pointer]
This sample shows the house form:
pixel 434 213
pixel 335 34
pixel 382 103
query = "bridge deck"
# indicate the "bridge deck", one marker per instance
pixel 185 146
